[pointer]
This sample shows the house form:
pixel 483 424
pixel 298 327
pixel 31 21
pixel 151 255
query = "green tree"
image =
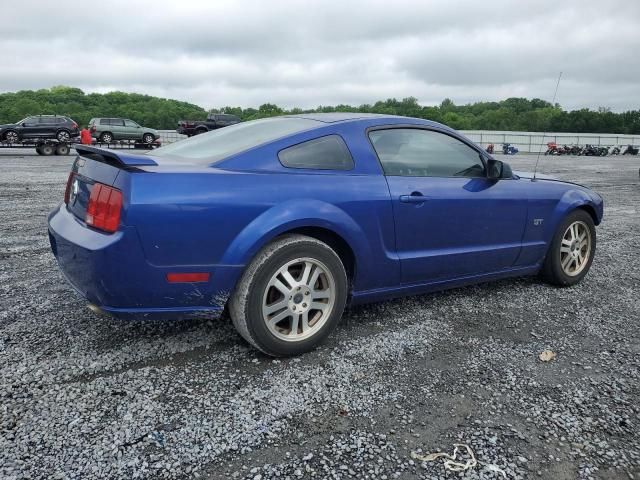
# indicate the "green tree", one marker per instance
pixel 510 114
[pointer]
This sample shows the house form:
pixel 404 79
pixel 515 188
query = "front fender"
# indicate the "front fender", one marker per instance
pixel 576 198
pixel 294 214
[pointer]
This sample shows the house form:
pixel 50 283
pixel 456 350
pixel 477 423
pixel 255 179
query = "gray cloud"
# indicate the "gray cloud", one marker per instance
pixel 325 52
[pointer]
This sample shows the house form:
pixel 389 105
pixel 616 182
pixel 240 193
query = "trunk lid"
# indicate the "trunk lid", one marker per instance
pixel 98 166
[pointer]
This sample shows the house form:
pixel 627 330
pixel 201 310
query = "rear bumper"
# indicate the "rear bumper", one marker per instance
pixel 111 272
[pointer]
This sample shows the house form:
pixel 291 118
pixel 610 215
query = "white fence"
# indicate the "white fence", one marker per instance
pixel 526 142
pixel 533 142
pixel 170 136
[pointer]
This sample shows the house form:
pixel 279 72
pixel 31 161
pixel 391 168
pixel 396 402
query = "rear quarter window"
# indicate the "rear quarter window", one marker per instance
pixel 221 143
pixel 324 153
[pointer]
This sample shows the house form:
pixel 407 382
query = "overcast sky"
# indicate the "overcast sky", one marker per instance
pixel 307 53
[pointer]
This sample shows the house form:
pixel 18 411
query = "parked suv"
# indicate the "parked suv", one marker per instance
pixel 40 126
pixel 107 130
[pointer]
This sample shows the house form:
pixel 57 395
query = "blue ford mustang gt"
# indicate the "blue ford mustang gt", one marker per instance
pixel 283 221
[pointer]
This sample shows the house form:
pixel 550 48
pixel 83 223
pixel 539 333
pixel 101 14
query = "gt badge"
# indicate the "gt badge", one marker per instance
pixel 538 221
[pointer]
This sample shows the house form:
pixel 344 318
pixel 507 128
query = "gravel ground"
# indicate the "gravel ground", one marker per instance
pixel 83 396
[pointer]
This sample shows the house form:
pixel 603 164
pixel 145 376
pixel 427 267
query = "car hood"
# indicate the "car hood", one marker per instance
pixel 542 176
pixel 7 125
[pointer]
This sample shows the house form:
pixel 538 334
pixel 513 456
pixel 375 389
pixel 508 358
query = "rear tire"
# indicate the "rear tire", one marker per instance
pixel 200 130
pixel 47 149
pixel 148 138
pixel 11 136
pixel 62 150
pixel 106 137
pixel 572 249
pixel 63 136
pixel 297 282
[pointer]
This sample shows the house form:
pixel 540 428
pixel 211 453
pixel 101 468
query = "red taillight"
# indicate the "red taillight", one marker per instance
pixel 75 125
pixel 93 128
pixel 67 192
pixel 103 210
pixel 192 277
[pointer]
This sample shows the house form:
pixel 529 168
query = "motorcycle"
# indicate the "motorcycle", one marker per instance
pixel 490 148
pixel 575 149
pixel 590 151
pixel 508 149
pixel 630 150
pixel 552 149
pixel 565 150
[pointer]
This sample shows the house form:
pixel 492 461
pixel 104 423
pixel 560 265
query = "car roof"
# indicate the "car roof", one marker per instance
pixel 332 117
pixel 371 119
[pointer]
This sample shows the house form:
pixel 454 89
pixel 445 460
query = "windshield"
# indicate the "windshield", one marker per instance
pixel 224 142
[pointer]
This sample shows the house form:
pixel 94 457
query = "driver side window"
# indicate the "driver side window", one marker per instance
pixel 413 152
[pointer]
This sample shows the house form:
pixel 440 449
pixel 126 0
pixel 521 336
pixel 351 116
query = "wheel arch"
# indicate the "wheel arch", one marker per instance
pixel 575 199
pixel 590 210
pixel 335 241
pixel 329 224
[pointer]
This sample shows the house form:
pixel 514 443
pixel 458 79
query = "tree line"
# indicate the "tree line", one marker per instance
pixel 515 114
pixel 149 111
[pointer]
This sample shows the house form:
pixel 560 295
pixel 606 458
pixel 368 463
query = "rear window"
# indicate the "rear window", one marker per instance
pixel 224 142
pixel 324 153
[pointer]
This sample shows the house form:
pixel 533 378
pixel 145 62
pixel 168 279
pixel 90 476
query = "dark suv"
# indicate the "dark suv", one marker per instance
pixel 40 126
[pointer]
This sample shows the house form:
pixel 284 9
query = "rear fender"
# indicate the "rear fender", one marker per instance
pixel 295 214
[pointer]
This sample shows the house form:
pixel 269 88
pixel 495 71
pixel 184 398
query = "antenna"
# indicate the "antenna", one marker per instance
pixel 553 102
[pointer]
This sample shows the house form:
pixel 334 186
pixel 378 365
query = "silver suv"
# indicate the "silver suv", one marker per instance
pixel 107 130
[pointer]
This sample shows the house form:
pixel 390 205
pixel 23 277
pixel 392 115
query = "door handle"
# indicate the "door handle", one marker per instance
pixel 415 197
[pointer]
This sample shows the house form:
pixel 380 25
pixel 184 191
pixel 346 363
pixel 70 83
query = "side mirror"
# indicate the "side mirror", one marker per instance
pixel 497 169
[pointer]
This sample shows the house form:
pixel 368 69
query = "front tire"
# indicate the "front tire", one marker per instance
pixel 571 251
pixel 290 297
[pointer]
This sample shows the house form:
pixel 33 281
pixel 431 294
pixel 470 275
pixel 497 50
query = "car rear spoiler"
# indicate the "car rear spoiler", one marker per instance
pixel 119 159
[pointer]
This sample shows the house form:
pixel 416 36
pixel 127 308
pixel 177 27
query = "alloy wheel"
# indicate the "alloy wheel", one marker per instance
pixel 298 299
pixel 11 137
pixel 575 248
pixel 63 136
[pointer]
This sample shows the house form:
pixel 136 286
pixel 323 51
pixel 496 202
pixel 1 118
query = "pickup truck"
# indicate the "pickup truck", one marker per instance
pixel 213 121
